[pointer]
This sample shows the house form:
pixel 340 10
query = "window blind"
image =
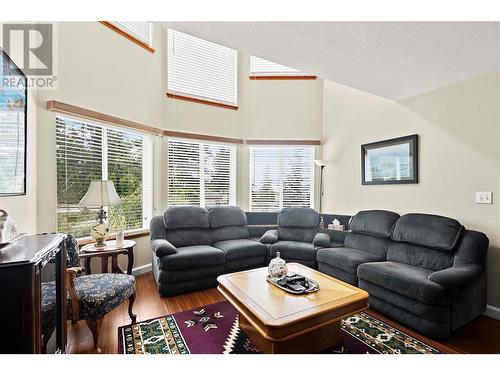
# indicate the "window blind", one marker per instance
pixel 12 144
pixel 140 30
pixel 201 69
pixel 260 66
pixel 201 174
pixel 281 177
pixel 88 151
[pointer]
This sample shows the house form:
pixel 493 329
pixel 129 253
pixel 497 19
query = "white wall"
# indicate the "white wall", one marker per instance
pixel 459 154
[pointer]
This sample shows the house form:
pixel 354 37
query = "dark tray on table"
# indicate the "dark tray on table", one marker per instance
pixel 308 285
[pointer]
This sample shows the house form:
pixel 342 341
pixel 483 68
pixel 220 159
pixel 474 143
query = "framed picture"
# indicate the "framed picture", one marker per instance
pixel 394 161
pixel 13 111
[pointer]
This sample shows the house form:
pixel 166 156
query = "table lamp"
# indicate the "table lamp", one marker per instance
pixel 101 193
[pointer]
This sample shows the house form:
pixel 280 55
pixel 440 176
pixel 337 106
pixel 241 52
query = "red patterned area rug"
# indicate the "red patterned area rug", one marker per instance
pixel 213 329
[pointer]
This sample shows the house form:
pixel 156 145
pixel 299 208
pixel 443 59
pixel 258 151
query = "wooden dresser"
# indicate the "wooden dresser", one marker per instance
pixel 24 266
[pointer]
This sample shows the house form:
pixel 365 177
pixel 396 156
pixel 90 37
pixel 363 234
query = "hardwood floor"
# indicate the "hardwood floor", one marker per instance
pixel 479 336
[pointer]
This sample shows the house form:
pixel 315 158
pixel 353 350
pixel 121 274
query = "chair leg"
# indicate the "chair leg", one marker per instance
pixel 130 307
pixel 94 326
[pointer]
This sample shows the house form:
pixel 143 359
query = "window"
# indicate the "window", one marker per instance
pixel 281 177
pixel 264 68
pixel 88 151
pixel 201 69
pixel 201 174
pixel 143 31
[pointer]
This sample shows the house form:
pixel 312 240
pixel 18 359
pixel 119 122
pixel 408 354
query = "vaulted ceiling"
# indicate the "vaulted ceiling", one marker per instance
pixel 396 60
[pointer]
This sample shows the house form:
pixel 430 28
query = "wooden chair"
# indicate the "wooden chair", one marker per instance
pixel 90 297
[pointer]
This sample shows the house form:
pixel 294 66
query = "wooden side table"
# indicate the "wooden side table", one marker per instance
pixel 111 249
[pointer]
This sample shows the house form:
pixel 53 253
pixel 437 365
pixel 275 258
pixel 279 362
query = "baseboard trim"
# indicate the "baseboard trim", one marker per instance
pixel 492 312
pixel 142 269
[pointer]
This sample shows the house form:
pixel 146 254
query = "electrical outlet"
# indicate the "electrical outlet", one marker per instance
pixel 483 197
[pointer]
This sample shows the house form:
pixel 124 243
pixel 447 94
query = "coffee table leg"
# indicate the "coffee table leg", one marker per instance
pixel 130 265
pixel 316 340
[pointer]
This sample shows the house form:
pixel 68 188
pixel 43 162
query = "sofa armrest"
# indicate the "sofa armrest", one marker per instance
pixel 162 247
pixel 321 240
pixel 456 277
pixel 271 236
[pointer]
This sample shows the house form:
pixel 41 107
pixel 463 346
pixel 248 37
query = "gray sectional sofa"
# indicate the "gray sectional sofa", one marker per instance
pixel 425 271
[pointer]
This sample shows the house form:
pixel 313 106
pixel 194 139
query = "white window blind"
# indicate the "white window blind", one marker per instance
pixel 201 69
pixel 140 30
pixel 12 149
pixel 281 177
pixel 88 151
pixel 201 174
pixel 260 66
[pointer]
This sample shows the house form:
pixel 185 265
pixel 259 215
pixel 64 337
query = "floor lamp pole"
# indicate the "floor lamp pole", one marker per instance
pixel 321 189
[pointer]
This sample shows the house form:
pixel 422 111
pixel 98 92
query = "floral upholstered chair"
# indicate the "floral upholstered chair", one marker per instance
pixel 90 297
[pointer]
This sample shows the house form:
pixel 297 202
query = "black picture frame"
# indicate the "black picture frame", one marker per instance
pixel 397 170
pixel 13 71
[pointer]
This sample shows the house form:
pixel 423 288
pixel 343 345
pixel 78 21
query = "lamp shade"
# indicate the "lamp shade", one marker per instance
pixel 100 193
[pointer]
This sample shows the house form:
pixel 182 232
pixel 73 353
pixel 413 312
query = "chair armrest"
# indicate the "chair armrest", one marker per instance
pixel 457 276
pixel 75 270
pixel 321 240
pixel 72 293
pixel 271 236
pixel 162 247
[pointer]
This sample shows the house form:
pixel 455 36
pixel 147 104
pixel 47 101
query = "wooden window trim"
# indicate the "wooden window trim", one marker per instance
pixel 134 233
pixel 201 101
pixel 281 77
pixel 284 142
pixel 60 107
pixel 202 137
pixel 128 36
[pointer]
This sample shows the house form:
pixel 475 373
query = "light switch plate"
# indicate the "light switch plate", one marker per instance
pixel 484 197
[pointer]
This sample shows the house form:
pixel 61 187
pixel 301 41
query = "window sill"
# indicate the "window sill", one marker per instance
pixel 201 101
pixel 134 233
pixel 282 78
pixel 128 36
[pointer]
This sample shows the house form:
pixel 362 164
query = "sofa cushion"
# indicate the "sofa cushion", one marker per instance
pixel 345 258
pixel 405 279
pixel 297 234
pixel 193 257
pixel 189 237
pixel 432 231
pixel 185 217
pixel 226 216
pixel 230 233
pixel 374 222
pixel 294 250
pixel 365 242
pixel 419 256
pixel 298 217
pixel 242 248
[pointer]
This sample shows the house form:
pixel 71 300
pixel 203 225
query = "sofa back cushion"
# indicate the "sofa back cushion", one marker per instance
pixel 365 242
pixel 431 231
pixel 228 223
pixel 298 224
pixel 298 217
pixel 187 226
pixel 374 222
pixel 419 256
pixel 297 234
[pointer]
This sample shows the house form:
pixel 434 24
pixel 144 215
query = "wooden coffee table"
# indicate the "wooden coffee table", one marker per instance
pixel 280 322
